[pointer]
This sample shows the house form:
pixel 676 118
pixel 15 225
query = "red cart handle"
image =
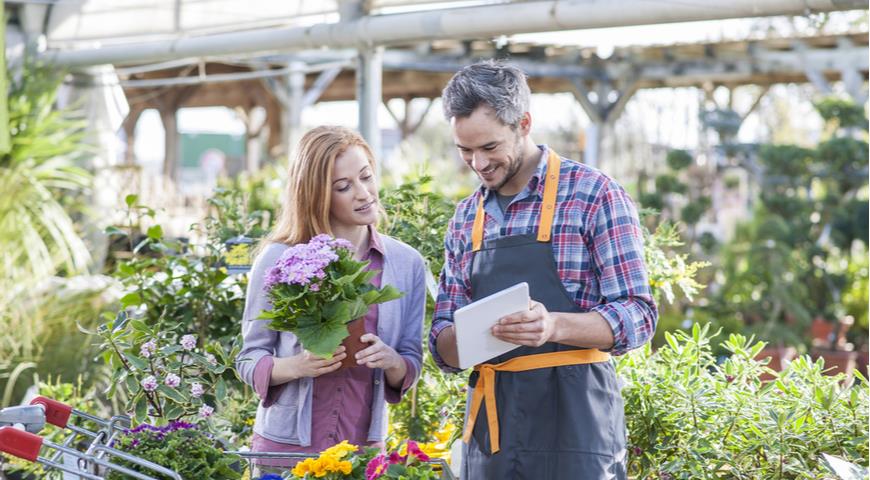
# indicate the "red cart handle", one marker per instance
pixel 56 413
pixel 20 443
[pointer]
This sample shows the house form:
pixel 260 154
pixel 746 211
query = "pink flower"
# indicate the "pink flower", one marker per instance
pixel 172 380
pixel 196 390
pixel 376 467
pixel 149 383
pixel 396 458
pixel 414 450
pixel 148 348
pixel 188 342
pixel 205 411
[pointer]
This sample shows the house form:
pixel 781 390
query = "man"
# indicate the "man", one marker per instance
pixel 573 234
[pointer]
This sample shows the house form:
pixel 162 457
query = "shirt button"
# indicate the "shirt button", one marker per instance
pixel 377 382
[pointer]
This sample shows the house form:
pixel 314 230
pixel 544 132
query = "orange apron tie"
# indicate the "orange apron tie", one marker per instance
pixel 485 388
pixel 548 208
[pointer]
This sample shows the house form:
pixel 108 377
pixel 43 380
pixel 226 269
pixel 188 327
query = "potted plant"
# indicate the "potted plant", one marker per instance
pixel 318 290
pixel 179 446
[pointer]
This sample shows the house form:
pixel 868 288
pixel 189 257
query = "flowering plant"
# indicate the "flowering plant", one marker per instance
pixel 340 461
pixel 178 446
pixel 317 288
pixel 409 462
pixel 346 461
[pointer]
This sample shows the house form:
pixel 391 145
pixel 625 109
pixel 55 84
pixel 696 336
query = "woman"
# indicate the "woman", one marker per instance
pixel 306 403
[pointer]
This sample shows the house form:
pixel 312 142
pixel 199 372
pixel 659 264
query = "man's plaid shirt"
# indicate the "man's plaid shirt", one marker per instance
pixel 597 242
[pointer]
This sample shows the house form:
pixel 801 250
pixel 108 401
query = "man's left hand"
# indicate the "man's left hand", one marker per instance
pixel 532 328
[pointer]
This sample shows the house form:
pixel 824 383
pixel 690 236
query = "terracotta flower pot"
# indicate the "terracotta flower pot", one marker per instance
pixel 352 343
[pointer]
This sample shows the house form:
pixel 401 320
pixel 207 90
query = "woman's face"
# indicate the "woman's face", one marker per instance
pixel 354 192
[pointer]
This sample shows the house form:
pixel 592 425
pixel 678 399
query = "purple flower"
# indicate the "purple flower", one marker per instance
pixel 148 348
pixel 188 342
pixel 205 411
pixel 196 390
pixel 304 263
pixel 149 383
pixel 172 380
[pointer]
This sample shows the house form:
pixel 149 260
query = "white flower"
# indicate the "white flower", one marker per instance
pixel 188 342
pixel 196 390
pixel 205 411
pixel 211 359
pixel 148 348
pixel 172 380
pixel 149 383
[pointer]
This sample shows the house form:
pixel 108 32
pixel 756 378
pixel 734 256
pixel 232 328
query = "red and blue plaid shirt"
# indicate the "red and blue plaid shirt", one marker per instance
pixel 597 243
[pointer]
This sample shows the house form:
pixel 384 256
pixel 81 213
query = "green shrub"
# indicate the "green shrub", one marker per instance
pixel 691 417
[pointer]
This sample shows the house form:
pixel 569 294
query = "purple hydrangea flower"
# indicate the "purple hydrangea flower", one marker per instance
pixel 148 348
pixel 196 390
pixel 149 383
pixel 188 342
pixel 205 411
pixel 305 263
pixel 172 380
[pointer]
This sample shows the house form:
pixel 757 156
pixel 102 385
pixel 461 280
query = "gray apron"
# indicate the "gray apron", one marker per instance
pixel 555 423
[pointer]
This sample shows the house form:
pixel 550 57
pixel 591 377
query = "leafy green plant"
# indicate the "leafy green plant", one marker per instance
pixel 691 417
pixel 163 374
pixel 181 447
pixel 37 233
pixel 418 214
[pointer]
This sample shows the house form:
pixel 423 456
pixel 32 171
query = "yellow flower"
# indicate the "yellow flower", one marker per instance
pixel 445 433
pixel 340 450
pixel 318 468
pixel 345 467
pixel 302 468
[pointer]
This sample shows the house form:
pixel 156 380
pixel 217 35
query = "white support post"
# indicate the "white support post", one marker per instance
pixel 293 106
pixel 369 96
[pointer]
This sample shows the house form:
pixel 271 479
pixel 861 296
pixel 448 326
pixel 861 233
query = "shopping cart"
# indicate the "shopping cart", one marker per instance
pixel 20 426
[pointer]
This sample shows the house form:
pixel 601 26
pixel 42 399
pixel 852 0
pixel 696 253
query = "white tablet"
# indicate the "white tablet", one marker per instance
pixel 474 324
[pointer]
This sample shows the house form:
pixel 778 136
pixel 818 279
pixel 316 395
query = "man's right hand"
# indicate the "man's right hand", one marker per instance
pixel 305 364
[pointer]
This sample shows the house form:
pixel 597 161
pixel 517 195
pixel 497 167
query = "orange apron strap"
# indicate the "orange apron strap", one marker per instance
pixel 548 207
pixel 485 388
pixel 551 186
pixel 477 229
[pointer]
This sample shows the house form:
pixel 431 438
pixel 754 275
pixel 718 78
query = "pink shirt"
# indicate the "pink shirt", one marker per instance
pixel 342 400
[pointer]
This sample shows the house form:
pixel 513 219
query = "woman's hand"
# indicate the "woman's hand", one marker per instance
pixel 378 355
pixel 305 364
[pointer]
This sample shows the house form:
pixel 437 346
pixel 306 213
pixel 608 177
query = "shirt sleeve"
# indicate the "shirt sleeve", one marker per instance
pixel 411 344
pixel 453 290
pixel 617 250
pixel 394 395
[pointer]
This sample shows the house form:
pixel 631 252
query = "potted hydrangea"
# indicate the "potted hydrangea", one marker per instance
pixel 318 291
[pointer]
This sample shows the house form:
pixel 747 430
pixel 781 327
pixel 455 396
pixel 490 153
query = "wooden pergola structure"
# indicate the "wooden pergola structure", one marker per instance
pixel 283 85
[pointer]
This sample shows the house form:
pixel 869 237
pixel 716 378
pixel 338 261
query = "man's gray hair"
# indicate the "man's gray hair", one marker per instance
pixel 498 85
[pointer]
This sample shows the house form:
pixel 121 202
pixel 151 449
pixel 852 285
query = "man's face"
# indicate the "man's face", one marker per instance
pixel 493 150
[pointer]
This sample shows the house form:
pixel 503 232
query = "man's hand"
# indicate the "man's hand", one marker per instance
pixel 532 328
